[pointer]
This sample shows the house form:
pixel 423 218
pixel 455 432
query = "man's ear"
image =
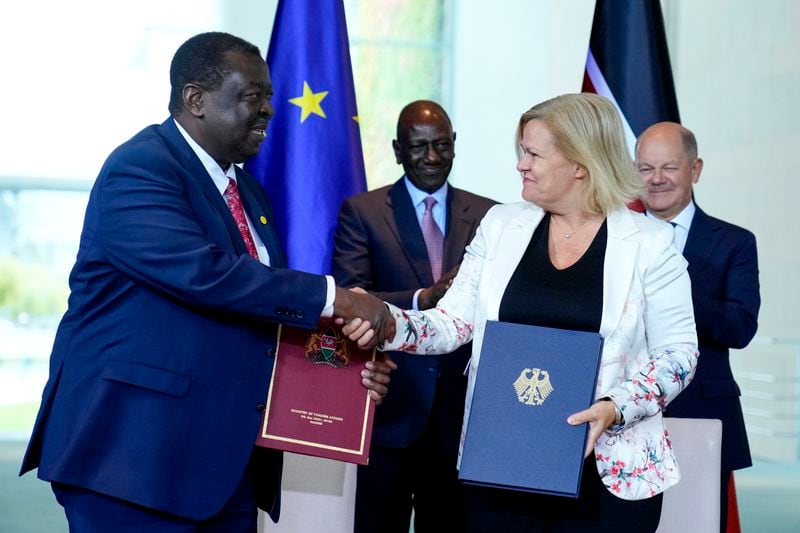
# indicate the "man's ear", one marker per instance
pixel 193 99
pixel 697 168
pixel 396 148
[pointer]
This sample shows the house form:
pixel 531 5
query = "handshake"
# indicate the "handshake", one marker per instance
pixel 366 319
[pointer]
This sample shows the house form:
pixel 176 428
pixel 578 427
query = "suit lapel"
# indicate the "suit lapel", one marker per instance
pixel 507 254
pixel 459 227
pixel 700 242
pixel 403 220
pixel 618 268
pixel 183 153
pixel 259 212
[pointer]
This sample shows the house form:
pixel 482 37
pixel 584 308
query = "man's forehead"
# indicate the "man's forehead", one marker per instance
pixel 425 128
pixel 419 129
pixel 663 142
pixel 245 61
pixel 662 135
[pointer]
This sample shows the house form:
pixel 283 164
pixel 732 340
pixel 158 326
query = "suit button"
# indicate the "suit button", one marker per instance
pixel 271 352
pixel 299 314
pixel 261 408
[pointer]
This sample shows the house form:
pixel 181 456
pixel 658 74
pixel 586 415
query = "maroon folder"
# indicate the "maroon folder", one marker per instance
pixel 316 403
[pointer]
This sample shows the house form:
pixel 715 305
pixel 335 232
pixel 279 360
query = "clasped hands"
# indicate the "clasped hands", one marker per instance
pixel 367 321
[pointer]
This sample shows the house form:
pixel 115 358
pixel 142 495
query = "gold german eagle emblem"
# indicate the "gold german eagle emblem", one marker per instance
pixel 533 386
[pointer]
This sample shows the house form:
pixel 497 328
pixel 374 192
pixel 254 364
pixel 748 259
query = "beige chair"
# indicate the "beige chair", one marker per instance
pixel 318 495
pixel 693 504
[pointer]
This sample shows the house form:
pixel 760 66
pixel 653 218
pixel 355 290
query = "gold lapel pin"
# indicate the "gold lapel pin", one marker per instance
pixel 263 219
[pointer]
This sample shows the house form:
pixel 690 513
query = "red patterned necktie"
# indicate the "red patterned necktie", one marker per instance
pixel 434 241
pixel 234 202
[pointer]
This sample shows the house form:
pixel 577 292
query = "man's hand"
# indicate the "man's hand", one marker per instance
pixel 375 377
pixel 429 297
pixel 375 323
pixel 600 417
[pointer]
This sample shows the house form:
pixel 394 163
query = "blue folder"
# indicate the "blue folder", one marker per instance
pixel 530 379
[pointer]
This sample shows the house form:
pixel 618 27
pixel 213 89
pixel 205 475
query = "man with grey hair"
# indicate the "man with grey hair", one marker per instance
pixel 723 267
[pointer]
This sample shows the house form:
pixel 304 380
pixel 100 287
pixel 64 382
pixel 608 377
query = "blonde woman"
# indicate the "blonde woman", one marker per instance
pixel 572 256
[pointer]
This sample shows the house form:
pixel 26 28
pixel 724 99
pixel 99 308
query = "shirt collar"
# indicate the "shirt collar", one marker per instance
pixel 219 176
pixel 418 195
pixel 684 218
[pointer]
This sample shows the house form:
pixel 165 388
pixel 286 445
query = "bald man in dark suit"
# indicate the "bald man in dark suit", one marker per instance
pixel 403 243
pixel 723 267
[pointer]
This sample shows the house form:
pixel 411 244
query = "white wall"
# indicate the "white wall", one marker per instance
pixel 737 77
pixel 509 56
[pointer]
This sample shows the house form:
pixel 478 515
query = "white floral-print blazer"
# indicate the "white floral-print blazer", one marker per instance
pixel 650 342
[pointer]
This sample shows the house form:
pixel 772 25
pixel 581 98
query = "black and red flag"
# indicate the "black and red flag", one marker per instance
pixel 628 63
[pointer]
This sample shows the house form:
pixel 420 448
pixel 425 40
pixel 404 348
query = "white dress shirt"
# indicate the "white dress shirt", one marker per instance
pixel 220 179
pixel 418 200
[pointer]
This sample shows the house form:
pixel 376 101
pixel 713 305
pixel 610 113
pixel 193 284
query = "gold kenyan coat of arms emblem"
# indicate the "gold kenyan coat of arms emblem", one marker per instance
pixel 325 346
pixel 533 386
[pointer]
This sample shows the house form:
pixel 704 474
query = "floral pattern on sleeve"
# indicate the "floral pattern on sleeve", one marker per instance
pixel 642 474
pixel 428 332
pixel 648 391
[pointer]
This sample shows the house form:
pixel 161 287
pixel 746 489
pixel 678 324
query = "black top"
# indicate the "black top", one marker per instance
pixel 541 295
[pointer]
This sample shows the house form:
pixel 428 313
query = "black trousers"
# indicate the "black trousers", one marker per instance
pixel 595 510
pixel 423 477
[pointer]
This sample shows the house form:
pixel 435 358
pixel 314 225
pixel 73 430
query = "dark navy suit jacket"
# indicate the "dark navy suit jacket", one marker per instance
pixel 162 361
pixel 723 267
pixel 379 246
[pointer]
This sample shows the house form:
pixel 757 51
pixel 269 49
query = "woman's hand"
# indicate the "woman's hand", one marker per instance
pixel 600 416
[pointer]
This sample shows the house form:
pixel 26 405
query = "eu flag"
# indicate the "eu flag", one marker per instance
pixel 311 159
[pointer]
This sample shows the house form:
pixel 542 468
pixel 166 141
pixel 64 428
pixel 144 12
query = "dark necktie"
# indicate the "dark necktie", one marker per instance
pixel 234 202
pixel 434 241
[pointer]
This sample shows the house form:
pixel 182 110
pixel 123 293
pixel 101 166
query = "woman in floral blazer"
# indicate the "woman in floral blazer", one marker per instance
pixel 577 178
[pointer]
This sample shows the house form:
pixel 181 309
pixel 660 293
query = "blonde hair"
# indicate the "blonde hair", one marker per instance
pixel 587 130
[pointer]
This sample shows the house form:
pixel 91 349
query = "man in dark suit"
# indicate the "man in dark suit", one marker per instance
pixel 161 363
pixel 723 267
pixel 389 243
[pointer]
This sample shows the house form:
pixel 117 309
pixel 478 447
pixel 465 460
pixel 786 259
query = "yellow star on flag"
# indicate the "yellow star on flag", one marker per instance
pixel 309 102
